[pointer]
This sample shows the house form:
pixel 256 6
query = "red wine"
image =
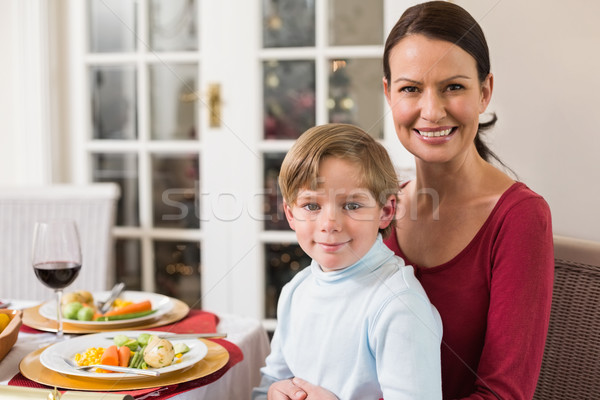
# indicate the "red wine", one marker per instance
pixel 57 275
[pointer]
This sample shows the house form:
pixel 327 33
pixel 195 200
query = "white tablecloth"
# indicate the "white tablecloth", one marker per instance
pixel 237 383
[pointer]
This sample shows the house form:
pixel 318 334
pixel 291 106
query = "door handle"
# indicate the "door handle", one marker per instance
pixel 214 105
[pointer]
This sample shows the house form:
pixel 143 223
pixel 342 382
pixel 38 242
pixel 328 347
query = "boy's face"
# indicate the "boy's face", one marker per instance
pixel 337 224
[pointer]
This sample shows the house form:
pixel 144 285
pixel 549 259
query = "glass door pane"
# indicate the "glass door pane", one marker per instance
pixel 282 262
pixel 174 191
pixel 289 98
pixel 355 94
pixel 177 270
pixel 112 25
pixel 288 23
pixel 114 102
pixel 129 262
pixel 173 25
pixel 355 22
pixel 273 209
pixel 122 169
pixel 173 107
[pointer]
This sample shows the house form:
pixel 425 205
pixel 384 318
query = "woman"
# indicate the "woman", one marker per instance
pixel 480 242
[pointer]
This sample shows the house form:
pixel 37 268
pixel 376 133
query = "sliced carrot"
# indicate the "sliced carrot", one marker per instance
pixel 124 354
pixel 131 308
pixel 96 315
pixel 110 356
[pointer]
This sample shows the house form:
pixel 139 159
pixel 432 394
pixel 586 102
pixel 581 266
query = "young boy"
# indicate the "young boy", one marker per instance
pixel 356 321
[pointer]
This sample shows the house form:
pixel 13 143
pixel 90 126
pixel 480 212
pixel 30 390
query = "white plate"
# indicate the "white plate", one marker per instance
pixel 53 357
pixel 161 303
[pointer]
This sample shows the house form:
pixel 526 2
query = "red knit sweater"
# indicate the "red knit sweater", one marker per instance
pixel 494 298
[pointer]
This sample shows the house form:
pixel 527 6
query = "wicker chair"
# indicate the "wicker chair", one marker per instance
pixel 92 207
pixel 571 363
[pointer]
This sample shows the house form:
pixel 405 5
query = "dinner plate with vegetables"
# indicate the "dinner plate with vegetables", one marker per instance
pixel 79 308
pixel 147 350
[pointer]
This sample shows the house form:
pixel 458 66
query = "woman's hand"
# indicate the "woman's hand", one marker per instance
pixel 285 390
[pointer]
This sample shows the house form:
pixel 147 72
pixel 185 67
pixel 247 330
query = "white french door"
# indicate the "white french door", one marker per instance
pixel 190 105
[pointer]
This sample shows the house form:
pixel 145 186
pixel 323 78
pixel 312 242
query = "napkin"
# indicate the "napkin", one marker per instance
pixel 26 384
pixel 197 321
pixel 27 329
pixel 12 392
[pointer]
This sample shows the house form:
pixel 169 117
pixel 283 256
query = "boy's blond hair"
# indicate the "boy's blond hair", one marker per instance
pixel 300 167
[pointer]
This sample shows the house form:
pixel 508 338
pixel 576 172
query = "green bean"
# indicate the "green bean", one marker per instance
pixel 125 316
pixel 133 360
pixel 140 360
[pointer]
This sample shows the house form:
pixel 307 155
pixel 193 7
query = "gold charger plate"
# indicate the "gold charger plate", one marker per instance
pixel 31 367
pixel 33 318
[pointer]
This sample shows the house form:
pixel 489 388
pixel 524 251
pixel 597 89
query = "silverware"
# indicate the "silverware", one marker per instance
pixel 54 395
pixel 147 372
pixel 104 306
pixel 218 335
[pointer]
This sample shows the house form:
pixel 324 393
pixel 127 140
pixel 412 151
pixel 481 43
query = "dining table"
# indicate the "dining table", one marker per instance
pixel 247 342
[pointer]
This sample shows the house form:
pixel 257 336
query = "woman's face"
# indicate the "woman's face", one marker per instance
pixel 436 98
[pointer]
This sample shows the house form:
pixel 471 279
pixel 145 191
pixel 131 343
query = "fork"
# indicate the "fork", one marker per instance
pixel 147 372
pixel 103 306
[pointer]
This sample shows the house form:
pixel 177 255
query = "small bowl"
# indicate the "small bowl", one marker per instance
pixel 9 335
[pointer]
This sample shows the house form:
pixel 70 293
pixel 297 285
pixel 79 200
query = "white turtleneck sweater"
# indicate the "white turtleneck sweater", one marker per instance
pixel 364 332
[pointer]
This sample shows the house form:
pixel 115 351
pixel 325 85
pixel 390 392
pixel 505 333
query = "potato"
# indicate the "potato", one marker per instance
pixel 159 353
pixel 71 297
pixel 81 296
pixel 86 297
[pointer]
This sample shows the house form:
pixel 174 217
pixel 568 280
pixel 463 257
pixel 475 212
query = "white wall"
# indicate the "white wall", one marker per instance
pixel 8 118
pixel 546 64
pixel 24 111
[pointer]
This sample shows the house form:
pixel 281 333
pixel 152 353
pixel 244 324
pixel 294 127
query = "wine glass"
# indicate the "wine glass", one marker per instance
pixel 56 258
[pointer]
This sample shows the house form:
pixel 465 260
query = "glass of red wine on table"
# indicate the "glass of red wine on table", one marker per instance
pixel 56 258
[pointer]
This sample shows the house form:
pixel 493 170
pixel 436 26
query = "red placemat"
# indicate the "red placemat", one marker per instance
pixel 197 321
pixel 27 329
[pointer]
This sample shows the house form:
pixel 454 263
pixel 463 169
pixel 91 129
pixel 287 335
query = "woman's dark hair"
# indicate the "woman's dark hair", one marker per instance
pixel 442 20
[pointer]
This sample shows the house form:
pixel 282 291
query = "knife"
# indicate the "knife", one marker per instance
pixel 217 335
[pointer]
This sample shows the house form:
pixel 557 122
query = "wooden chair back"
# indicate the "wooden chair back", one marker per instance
pixel 571 363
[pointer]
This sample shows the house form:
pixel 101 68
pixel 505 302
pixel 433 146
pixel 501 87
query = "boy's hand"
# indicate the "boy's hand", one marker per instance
pixel 285 390
pixel 313 392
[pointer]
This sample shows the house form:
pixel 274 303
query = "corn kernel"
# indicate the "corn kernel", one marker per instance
pixel 91 356
pixel 118 303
